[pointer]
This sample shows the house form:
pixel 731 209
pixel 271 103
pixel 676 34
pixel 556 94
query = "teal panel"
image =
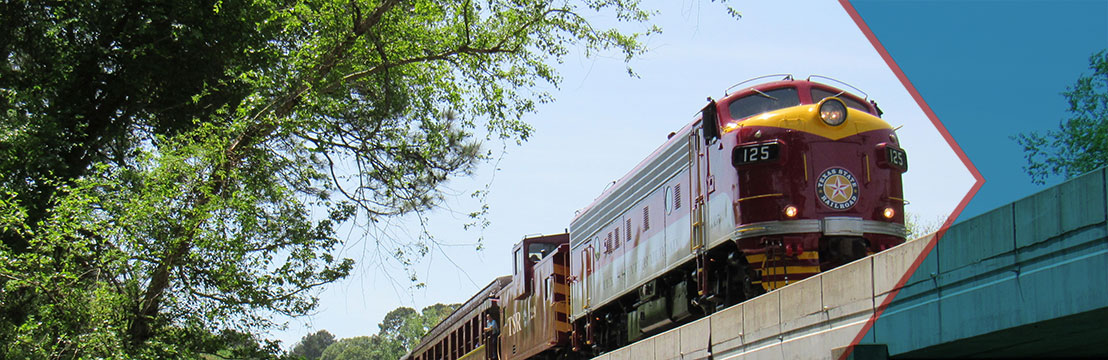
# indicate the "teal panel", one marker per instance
pixel 1032 253
pixel 1036 261
pixel 1083 201
pixel 1066 282
pixel 980 304
pixel 1073 204
pixel 981 268
pixel 984 236
pixel 1079 238
pixel 1029 256
pixel 1038 217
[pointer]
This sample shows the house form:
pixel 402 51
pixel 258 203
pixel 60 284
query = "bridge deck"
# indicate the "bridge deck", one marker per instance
pixel 1025 280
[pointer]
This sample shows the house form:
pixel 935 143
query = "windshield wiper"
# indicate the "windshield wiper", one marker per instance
pixel 764 94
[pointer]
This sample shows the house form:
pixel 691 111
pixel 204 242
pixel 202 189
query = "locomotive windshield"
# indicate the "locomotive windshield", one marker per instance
pixel 537 250
pixel 819 94
pixel 763 101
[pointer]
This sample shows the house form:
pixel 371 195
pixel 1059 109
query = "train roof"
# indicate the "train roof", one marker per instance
pixel 474 303
pixel 803 85
pixel 633 178
pixel 678 137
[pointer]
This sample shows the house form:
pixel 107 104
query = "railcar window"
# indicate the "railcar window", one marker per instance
pixel 764 101
pixel 820 94
pixel 518 261
pixel 540 250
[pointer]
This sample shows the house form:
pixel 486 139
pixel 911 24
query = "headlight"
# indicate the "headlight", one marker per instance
pixel 790 211
pixel 832 111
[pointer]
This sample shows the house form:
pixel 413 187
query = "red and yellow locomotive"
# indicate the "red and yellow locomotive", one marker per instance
pixel 770 185
pixel 774 183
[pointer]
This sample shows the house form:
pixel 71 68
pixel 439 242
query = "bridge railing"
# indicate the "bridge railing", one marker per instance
pixel 804 320
pixel 1039 258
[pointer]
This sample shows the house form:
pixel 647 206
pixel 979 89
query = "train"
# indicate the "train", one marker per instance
pixel 768 185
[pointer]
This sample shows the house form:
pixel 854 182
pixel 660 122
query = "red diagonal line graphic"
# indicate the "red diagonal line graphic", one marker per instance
pixel 978 179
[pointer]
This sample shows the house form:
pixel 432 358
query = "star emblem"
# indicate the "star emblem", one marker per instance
pixel 837 188
pixel 840 189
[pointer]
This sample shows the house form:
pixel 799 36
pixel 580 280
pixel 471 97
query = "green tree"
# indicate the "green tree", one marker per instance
pixel 356 348
pixel 400 331
pixel 172 169
pixel 84 82
pixel 1081 142
pixel 403 327
pixel 916 226
pixel 231 344
pixel 311 346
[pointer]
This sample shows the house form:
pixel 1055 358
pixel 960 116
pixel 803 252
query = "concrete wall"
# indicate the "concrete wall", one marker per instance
pixel 989 287
pixel 804 320
pixel 1041 258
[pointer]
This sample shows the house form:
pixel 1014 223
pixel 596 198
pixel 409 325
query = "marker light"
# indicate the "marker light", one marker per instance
pixel 790 211
pixel 889 213
pixel 832 111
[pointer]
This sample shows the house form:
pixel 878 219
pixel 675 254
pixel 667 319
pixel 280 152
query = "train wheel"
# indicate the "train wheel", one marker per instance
pixel 732 280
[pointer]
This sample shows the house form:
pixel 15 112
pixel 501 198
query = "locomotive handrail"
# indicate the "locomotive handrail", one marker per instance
pixel 906 202
pixel 760 196
pixel 787 77
pixel 865 96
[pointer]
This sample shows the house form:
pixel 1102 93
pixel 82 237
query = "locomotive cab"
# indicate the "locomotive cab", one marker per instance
pixel 535 306
pixel 525 255
pixel 817 178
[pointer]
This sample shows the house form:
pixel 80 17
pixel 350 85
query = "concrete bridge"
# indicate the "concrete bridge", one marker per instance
pixel 1028 279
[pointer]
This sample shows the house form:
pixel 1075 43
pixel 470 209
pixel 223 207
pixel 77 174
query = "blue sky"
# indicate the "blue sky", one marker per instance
pixel 604 122
pixel 991 70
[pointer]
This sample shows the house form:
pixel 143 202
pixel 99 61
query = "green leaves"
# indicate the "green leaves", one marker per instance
pixel 311 346
pixel 400 331
pixel 178 169
pixel 1081 142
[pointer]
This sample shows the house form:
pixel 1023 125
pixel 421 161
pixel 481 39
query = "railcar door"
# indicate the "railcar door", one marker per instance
pixel 696 170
